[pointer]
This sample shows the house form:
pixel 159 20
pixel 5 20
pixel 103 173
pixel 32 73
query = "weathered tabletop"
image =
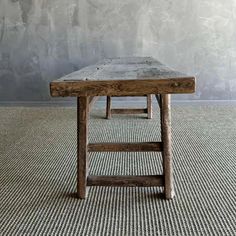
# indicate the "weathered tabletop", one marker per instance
pixel 123 76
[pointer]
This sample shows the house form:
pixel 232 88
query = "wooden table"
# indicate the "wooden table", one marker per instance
pixel 133 76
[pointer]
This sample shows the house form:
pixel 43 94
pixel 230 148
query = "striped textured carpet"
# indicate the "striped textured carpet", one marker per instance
pixel 38 174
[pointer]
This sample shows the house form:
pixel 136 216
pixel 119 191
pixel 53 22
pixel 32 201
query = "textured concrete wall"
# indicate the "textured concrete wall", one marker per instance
pixel 40 40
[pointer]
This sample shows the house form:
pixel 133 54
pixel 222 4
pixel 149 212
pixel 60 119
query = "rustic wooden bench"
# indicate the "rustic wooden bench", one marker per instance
pixel 136 76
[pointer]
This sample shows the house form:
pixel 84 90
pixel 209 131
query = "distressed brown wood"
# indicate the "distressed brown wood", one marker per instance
pixel 136 76
pixel 166 140
pixel 123 77
pixel 82 152
pixel 147 110
pixel 149 106
pixel 125 147
pixel 126 180
pixel 129 110
pixel 142 95
pixel 108 108
pixel 116 87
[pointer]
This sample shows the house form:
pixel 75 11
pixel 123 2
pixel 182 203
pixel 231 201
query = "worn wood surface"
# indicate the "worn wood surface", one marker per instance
pixel 149 106
pixel 108 108
pixel 117 87
pixel 166 141
pixel 123 76
pixel 125 147
pixel 82 153
pixel 129 110
pixel 147 110
pixel 141 95
pixel 126 180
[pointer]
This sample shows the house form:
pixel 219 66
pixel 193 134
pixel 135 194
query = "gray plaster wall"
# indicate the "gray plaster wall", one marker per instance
pixel 41 40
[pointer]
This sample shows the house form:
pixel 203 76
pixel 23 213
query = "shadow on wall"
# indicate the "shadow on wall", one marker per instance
pixel 21 83
pixel 43 40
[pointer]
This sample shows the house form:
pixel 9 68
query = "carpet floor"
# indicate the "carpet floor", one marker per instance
pixel 38 174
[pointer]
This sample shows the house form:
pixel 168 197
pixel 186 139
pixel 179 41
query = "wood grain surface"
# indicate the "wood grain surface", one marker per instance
pixel 123 76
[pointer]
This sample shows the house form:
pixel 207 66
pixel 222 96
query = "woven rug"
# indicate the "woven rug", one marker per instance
pixel 38 174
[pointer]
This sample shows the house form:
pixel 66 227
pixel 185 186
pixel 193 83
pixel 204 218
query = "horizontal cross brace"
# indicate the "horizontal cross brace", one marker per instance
pixel 126 180
pixel 126 147
pixel 129 111
pixel 141 95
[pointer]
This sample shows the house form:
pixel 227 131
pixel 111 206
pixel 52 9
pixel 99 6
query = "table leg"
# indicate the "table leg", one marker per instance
pixel 108 108
pixel 82 145
pixel 166 141
pixel 149 106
